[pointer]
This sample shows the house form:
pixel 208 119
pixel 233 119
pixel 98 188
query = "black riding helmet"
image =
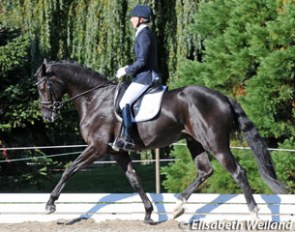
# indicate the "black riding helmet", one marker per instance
pixel 142 11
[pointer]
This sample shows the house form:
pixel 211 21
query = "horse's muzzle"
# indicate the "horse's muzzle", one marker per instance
pixel 49 118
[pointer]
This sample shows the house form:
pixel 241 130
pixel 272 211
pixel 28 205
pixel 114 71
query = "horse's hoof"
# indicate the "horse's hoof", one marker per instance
pixel 254 213
pixel 149 221
pixel 178 212
pixel 50 209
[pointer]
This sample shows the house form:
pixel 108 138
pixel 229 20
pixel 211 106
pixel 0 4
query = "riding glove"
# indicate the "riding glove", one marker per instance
pixel 121 72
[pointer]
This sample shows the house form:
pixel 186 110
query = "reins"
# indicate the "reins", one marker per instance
pixel 57 105
pixel 88 91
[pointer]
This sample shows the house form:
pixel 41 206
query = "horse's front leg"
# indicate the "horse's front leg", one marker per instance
pixel 87 157
pixel 124 161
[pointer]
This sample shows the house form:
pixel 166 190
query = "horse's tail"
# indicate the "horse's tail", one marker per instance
pixel 258 147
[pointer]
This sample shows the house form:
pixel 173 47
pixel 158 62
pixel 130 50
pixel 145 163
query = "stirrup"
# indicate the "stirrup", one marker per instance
pixel 126 145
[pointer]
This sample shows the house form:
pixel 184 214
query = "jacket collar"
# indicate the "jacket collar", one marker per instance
pixel 139 29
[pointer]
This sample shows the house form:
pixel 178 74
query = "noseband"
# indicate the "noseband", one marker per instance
pixel 53 104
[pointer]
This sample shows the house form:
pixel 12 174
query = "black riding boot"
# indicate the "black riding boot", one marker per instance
pixel 126 142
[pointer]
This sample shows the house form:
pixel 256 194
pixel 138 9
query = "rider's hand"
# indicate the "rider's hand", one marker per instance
pixel 121 72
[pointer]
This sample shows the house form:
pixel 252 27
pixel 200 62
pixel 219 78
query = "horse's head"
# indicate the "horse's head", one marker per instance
pixel 51 89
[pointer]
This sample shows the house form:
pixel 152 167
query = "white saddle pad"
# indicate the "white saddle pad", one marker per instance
pixel 150 106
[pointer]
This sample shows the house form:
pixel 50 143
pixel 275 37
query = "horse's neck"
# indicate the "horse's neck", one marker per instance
pixel 93 101
pixel 74 85
pixel 83 88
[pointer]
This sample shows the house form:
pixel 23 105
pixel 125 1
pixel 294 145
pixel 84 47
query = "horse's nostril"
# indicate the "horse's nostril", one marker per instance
pixel 48 119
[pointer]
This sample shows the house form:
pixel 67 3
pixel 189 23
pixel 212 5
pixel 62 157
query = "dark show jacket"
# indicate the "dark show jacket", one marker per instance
pixel 145 48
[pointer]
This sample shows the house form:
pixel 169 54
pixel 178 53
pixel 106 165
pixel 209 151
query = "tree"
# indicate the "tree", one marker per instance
pixel 248 54
pixel 96 33
pixel 15 86
pixel 242 48
pixel 182 172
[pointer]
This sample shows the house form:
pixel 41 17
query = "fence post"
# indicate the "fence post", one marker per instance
pixel 158 171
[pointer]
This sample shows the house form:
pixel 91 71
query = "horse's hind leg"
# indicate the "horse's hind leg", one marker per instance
pixel 203 166
pixel 124 161
pixel 205 170
pixel 239 175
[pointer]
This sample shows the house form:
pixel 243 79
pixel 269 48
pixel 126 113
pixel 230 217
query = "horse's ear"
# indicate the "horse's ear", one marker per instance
pixel 43 70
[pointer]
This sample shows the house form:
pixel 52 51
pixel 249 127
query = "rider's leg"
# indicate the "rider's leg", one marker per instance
pixel 127 122
pixel 133 92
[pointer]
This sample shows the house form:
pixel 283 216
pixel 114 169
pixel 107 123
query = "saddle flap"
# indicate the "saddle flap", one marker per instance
pixel 145 107
pixel 150 105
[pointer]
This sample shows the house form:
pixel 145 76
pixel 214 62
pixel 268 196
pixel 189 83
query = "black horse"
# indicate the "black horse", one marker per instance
pixel 201 116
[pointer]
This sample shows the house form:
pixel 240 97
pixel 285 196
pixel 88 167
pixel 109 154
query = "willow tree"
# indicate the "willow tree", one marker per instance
pixel 96 33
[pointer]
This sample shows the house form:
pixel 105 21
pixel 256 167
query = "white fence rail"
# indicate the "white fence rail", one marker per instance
pixel 84 145
pixel 16 208
pixel 6 149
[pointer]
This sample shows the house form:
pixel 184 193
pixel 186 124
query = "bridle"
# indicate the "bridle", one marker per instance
pixel 53 104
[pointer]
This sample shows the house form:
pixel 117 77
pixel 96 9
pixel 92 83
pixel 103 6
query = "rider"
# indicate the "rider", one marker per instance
pixel 144 70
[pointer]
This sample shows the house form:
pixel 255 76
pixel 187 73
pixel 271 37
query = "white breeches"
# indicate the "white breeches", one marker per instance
pixel 133 92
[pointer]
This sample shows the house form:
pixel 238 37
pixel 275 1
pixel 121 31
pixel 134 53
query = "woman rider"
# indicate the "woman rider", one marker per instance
pixel 144 70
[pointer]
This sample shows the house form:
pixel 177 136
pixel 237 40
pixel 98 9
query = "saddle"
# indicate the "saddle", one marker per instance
pixel 146 107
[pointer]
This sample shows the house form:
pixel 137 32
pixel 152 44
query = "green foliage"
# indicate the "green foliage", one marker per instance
pixel 272 89
pixel 285 164
pixel 222 181
pixel 16 175
pixel 243 48
pixel 270 95
pixel 249 55
pixel 15 86
pixel 181 173
pixel 96 33
pixel 13 52
pixel 96 180
pixel 22 114
pixel 40 171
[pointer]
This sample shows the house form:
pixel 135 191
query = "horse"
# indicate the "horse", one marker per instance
pixel 203 117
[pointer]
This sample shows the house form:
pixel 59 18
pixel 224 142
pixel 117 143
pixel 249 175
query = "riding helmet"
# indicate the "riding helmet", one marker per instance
pixel 142 11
